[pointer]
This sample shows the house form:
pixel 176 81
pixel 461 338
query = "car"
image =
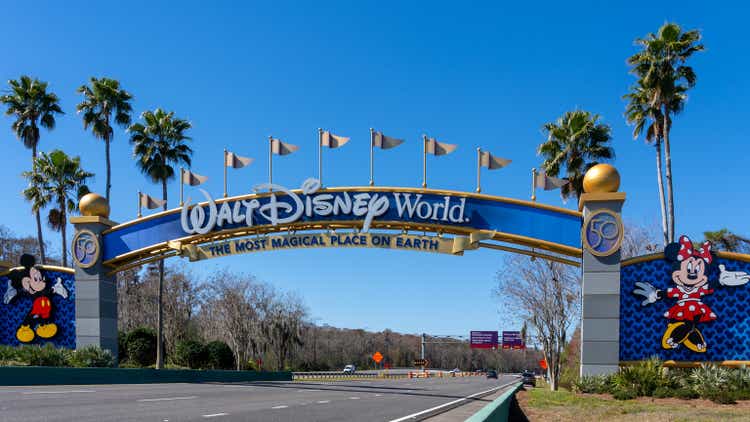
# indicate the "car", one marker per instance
pixel 491 374
pixel 528 378
pixel 350 369
pixel 454 371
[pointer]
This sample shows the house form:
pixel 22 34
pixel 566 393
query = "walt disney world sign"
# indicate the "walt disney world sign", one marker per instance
pixel 202 230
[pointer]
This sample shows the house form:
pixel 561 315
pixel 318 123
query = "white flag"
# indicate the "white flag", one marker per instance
pixel 282 148
pixel 385 142
pixel 150 202
pixel 237 161
pixel 492 162
pixel 193 179
pixel 549 183
pixel 439 148
pixel 332 141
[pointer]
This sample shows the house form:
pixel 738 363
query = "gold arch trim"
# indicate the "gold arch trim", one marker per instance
pixel 693 364
pixel 660 255
pixel 44 267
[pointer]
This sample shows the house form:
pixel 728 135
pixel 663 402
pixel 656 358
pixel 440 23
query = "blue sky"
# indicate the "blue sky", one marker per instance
pixel 486 75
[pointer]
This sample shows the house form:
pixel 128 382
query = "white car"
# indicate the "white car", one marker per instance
pixel 349 369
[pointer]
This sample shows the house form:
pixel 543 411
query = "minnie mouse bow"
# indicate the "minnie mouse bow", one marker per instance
pixel 687 250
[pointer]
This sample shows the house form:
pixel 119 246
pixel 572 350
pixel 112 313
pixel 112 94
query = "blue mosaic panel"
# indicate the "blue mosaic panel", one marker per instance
pixel 64 313
pixel 642 327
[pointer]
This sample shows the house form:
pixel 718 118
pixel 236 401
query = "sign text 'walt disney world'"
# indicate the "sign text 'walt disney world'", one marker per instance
pixel 283 206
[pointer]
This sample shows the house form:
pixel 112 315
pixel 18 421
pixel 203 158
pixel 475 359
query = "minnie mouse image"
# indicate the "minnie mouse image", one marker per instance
pixel 31 281
pixel 690 270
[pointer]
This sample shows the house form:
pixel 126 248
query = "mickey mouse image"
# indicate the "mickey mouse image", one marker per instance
pixel 690 269
pixel 30 281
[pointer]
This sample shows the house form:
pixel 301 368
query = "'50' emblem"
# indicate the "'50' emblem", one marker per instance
pixel 602 233
pixel 85 249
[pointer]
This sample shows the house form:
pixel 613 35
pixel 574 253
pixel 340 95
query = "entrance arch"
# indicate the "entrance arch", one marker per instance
pixel 429 220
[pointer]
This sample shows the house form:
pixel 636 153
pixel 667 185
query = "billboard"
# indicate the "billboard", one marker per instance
pixel 513 340
pixel 483 339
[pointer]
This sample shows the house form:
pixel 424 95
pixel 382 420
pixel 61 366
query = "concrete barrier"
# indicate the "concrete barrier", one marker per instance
pixel 40 375
pixel 498 410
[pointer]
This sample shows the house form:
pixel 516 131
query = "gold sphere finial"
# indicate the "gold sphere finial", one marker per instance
pixel 94 205
pixel 601 178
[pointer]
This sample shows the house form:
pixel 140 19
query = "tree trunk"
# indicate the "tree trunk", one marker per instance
pixel 109 168
pixel 668 170
pixel 63 224
pixel 660 183
pixel 39 236
pixel 160 304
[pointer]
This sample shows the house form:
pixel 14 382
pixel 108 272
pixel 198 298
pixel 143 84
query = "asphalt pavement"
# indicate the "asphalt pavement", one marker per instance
pixel 365 400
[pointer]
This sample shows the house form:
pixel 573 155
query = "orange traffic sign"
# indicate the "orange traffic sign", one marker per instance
pixel 377 357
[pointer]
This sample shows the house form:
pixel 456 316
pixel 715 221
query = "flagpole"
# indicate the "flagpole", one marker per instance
pixel 139 204
pixel 479 170
pixel 182 182
pixel 270 161
pixel 533 184
pixel 320 156
pixel 424 161
pixel 225 172
pixel 372 141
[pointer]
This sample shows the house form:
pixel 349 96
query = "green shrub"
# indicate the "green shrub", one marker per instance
pixel 8 353
pixel 642 378
pixel 721 397
pixel 122 346
pixel 739 379
pixel 141 346
pixel 742 394
pixel 47 355
pixel 220 356
pixel 624 394
pixel 685 394
pixel 92 357
pixel 663 392
pixel 708 379
pixel 599 384
pixel 191 353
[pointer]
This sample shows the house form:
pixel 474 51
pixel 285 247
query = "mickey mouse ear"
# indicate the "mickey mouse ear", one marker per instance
pixel 27 260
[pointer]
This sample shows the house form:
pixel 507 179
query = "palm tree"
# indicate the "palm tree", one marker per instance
pixel 159 145
pixel 32 106
pixel 577 142
pixel 661 71
pixel 640 113
pixel 57 179
pixel 103 98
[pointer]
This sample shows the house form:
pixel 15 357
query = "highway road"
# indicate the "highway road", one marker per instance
pixel 366 400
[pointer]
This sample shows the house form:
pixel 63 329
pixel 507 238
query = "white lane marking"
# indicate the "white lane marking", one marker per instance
pixel 215 415
pixel 414 416
pixel 323 401
pixel 353 398
pixel 59 392
pixel 378 395
pixel 168 398
pixel 283 406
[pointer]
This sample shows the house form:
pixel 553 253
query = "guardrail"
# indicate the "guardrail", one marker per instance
pixel 498 410
pixel 340 375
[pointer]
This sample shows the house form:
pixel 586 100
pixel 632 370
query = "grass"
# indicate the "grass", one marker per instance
pixel 540 404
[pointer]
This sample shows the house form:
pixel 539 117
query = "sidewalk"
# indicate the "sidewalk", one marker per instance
pixel 461 413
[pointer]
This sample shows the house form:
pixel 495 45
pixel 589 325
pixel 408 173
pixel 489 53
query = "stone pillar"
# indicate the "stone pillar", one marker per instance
pixel 600 291
pixel 96 291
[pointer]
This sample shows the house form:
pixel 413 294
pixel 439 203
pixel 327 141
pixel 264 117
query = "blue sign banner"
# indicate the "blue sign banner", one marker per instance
pixel 368 205
pixel 715 315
